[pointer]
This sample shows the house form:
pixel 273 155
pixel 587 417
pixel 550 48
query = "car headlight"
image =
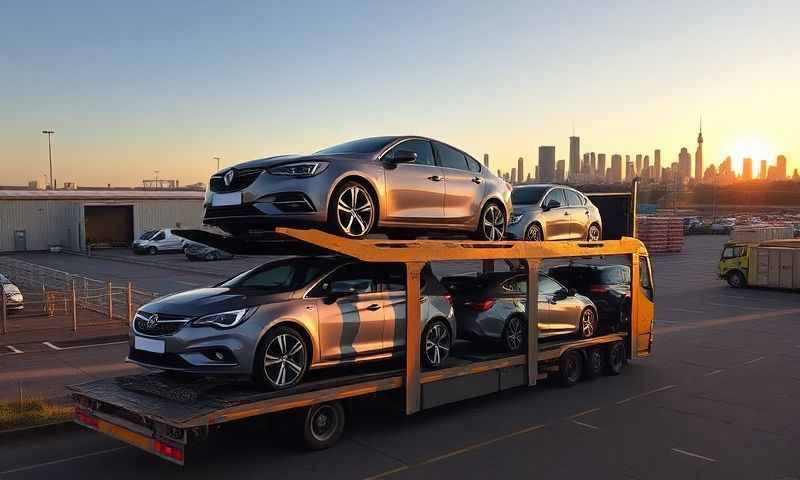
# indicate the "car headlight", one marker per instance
pixel 515 218
pixel 225 319
pixel 300 169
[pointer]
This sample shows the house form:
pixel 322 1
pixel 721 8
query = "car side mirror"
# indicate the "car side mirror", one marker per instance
pixel 552 204
pixel 561 294
pixel 571 292
pixel 404 156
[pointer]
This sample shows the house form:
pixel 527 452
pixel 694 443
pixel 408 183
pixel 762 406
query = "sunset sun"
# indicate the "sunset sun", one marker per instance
pixel 749 147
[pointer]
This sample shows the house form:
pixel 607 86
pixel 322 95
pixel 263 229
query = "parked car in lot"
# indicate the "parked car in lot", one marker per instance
pixel 492 307
pixel 14 299
pixel 553 212
pixel 390 183
pixel 277 321
pixel 157 241
pixel 196 251
pixel 608 286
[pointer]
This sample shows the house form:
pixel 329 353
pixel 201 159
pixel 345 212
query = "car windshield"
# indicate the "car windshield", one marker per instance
pixel 365 145
pixel 281 276
pixel 528 195
pixel 147 235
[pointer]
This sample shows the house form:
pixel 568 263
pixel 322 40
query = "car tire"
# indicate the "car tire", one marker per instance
pixel 570 368
pixel 534 233
pixel 353 210
pixel 595 363
pixel 152 250
pixel 615 358
pixel 436 344
pixel 587 324
pixel 514 334
pixel 491 223
pixel 736 279
pixel 323 425
pixel 594 233
pixel 279 364
pixel 209 257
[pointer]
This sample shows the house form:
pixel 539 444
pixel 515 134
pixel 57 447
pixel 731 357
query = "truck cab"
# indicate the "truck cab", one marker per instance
pixel 733 264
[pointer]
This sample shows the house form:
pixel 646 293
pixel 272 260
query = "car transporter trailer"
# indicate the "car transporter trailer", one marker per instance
pixel 165 414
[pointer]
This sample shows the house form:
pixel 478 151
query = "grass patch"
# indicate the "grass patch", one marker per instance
pixel 32 412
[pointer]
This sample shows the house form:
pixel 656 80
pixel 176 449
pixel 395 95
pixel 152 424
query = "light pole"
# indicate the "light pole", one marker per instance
pixel 217 159
pixel 49 134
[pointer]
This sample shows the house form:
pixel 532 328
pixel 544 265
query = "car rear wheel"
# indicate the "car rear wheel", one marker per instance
pixel 436 344
pixel 736 279
pixel 594 234
pixel 353 210
pixel 492 224
pixel 514 335
pixel 534 233
pixel 587 326
pixel 282 359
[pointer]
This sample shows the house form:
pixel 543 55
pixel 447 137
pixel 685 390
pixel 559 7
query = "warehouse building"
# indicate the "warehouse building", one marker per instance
pixel 73 219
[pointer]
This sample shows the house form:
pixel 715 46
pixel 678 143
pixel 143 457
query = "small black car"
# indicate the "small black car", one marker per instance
pixel 609 287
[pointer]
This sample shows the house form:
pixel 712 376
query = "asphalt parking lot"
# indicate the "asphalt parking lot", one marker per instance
pixel 719 398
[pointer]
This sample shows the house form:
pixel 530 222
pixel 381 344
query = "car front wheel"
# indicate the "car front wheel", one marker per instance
pixel 282 359
pixel 594 234
pixel 492 224
pixel 353 210
pixel 534 233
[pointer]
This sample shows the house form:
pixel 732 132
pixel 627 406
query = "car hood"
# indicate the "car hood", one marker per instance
pixel 281 159
pixel 205 301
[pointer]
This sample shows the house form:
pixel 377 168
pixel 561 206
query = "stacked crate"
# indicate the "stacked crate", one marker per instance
pixel 660 234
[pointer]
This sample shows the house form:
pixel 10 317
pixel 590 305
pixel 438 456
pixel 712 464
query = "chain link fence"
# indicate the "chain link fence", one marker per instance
pixel 56 299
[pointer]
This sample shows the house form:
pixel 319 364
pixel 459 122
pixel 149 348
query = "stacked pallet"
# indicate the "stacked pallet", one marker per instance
pixel 660 234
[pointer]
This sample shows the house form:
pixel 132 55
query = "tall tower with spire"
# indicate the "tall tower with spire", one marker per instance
pixel 698 155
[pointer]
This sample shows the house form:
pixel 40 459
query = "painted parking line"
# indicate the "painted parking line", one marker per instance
pixel 62 460
pixel 754 360
pixel 686 310
pixel 74 347
pixel 14 351
pixel 709 374
pixel 583 413
pixel 744 307
pixel 635 397
pixel 694 455
pixel 190 284
pixel 583 424
pixel 482 444
pixel 388 472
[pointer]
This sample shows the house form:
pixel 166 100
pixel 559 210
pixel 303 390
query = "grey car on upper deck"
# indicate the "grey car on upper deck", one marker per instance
pixel 389 183
pixel 553 212
pixel 277 321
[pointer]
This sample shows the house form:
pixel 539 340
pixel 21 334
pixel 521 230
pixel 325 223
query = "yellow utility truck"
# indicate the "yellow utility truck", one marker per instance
pixel 771 264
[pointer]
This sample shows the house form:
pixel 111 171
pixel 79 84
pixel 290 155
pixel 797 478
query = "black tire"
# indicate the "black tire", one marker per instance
pixel 570 368
pixel 437 341
pixel 736 279
pixel 534 233
pixel 594 233
pixel 323 425
pixel 360 220
pixel 491 223
pixel 595 363
pixel 282 356
pixel 152 250
pixel 209 257
pixel 587 323
pixel 615 358
pixel 515 334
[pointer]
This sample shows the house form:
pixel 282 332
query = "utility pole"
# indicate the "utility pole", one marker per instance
pixel 217 159
pixel 49 134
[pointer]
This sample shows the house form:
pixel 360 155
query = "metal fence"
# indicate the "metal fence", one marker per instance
pixel 67 300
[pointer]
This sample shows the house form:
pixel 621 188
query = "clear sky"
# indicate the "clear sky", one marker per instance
pixel 133 87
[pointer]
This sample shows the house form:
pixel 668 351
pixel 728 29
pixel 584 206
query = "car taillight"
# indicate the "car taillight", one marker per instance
pixel 85 418
pixel 167 450
pixel 449 298
pixel 481 305
pixel 599 289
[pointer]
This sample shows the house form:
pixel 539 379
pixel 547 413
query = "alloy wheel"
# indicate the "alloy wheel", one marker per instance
pixel 533 234
pixel 355 211
pixel 514 334
pixel 284 360
pixel 494 223
pixel 594 233
pixel 587 323
pixel 437 344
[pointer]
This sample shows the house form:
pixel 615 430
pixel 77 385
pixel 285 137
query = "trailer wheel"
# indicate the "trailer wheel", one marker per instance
pixel 570 368
pixel 595 362
pixel 615 358
pixel 736 279
pixel 323 425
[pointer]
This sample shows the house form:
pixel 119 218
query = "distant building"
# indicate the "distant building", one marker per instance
pixel 486 160
pixel 762 172
pixel 601 165
pixel 780 165
pixel 747 169
pixel 646 167
pixel 592 164
pixel 514 175
pixel 657 164
pixel 616 168
pixel 547 164
pixel 638 164
pixel 586 165
pixel 698 155
pixel 684 163
pixel 560 171
pixel 629 170
pixel 520 169
pixel 574 156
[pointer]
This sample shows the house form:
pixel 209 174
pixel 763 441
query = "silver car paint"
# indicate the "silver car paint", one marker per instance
pixel 553 223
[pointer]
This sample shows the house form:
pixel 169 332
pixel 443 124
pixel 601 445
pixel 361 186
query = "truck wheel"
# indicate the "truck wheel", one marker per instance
pixel 323 425
pixel 615 358
pixel 570 368
pixel 736 279
pixel 595 363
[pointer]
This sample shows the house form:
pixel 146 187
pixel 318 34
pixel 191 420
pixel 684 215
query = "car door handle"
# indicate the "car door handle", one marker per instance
pixel 435 178
pixel 477 180
pixel 374 307
pixel 587 213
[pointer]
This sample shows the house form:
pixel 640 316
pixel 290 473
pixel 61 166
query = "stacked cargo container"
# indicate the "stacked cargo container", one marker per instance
pixel 660 234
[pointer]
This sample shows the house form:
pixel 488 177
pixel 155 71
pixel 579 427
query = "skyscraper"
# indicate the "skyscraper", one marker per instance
pixel 646 167
pixel 547 163
pixel 601 165
pixel 698 155
pixel 762 172
pixel 586 164
pixel 592 164
pixel 520 170
pixel 747 169
pixel 486 160
pixel 574 156
pixel 657 164
pixel 684 164
pixel 629 171
pixel 513 175
pixel 560 166
pixel 616 168
pixel 781 167
pixel 638 164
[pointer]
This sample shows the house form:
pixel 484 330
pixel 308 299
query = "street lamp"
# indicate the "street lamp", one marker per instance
pixel 49 134
pixel 217 159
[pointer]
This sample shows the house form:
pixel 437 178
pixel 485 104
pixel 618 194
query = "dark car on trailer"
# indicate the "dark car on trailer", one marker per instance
pixel 609 287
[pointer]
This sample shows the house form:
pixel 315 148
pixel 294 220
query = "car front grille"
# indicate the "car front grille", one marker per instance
pixel 165 324
pixel 165 360
pixel 241 179
pixel 233 212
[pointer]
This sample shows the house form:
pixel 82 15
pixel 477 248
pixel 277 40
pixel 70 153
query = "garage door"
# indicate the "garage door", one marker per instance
pixel 109 225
